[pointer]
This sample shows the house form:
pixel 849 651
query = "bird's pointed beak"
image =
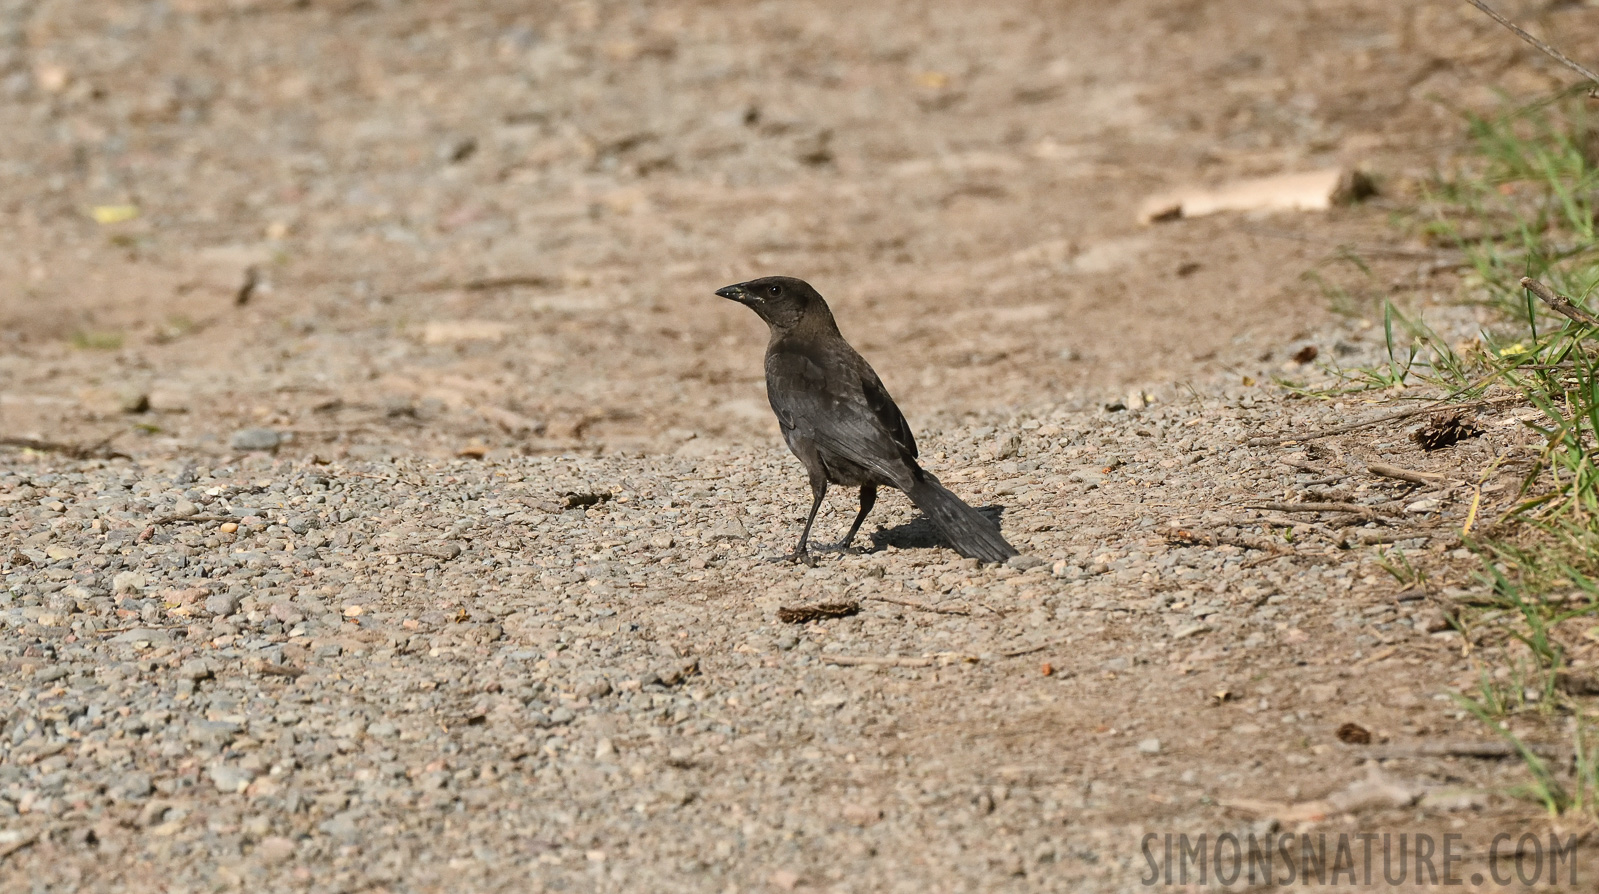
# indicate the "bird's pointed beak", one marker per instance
pixel 733 293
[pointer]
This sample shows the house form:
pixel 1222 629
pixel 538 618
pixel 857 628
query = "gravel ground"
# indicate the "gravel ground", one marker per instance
pixel 434 558
pixel 569 671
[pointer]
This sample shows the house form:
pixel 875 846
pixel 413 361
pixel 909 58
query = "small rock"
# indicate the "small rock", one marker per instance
pixel 255 439
pixel 214 732
pixel 1022 563
pixel 731 529
pixel 661 541
pixel 1067 570
pixel 222 604
pixel 58 553
pixel 134 785
pixel 1191 630
pixel 197 669
pixel 1006 446
pixel 274 849
pixel 133 400
pixel 285 612
pixel 184 509
pixel 342 827
pixel 230 780
pixel 676 675
pixel 128 582
pixel 1149 746
pixel 353 728
pixel 140 635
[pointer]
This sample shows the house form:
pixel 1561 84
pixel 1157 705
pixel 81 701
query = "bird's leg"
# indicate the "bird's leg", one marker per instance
pixel 802 553
pixel 868 499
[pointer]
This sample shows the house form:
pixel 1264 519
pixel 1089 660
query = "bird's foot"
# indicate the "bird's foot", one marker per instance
pixel 798 558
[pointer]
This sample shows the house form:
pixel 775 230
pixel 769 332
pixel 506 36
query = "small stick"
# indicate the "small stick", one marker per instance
pixel 19 844
pixel 113 630
pixel 1542 47
pixel 1204 538
pixel 97 450
pixel 1391 417
pixel 1558 302
pixel 1017 653
pixel 877 661
pixel 1303 466
pixel 489 283
pixel 921 606
pixel 1486 750
pixel 1352 508
pixel 1386 471
pixel 442 553
pixel 197 519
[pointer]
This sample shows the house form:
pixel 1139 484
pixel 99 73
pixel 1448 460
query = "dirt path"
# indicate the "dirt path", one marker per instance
pixel 388 236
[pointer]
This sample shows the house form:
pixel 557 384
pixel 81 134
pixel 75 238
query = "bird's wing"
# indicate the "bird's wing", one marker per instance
pixel 838 404
pixel 888 413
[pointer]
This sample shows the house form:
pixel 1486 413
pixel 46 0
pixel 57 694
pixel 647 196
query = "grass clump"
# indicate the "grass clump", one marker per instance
pixel 1523 203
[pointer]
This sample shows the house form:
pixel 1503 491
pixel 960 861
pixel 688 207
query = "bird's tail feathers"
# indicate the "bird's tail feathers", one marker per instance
pixel 969 531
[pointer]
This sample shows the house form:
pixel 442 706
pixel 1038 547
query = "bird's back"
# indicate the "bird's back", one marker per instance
pixel 826 395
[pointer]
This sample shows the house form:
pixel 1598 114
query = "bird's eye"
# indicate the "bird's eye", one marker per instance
pixel 774 289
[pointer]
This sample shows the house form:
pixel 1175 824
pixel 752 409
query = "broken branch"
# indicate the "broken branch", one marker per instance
pixel 1559 303
pixel 919 606
pixel 1386 471
pixel 1537 44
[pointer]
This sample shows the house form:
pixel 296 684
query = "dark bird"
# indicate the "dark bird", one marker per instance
pixel 839 420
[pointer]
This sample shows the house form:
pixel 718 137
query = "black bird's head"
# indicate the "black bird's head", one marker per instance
pixel 782 301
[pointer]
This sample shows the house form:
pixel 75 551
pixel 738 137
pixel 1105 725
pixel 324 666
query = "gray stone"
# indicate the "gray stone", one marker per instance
pixel 222 604
pixel 230 779
pixel 255 439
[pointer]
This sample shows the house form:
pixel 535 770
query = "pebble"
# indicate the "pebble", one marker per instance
pixel 1149 746
pixel 222 604
pixel 274 849
pixel 255 439
pixel 128 582
pixel 229 779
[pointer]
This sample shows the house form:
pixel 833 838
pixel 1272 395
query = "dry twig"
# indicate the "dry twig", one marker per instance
pixel 1017 653
pixel 1369 512
pixel 876 660
pixel 98 450
pixel 112 631
pixel 1542 47
pixel 1207 538
pixel 490 283
pixel 920 606
pixel 25 841
pixel 821 611
pixel 1559 303
pixel 1396 472
pixel 197 519
pixel 1391 417
pixel 1485 750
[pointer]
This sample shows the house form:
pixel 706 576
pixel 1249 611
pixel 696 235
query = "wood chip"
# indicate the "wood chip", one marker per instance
pixel 821 611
